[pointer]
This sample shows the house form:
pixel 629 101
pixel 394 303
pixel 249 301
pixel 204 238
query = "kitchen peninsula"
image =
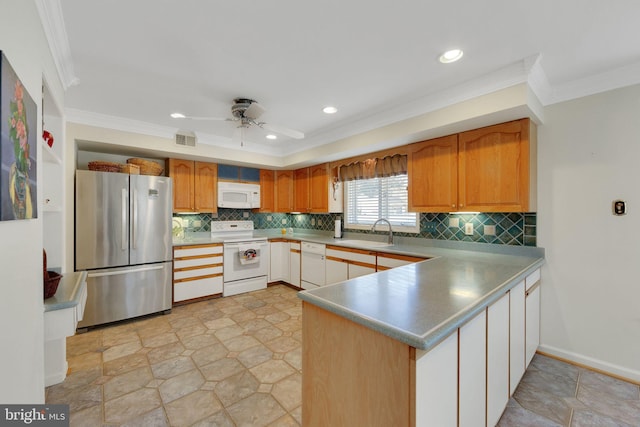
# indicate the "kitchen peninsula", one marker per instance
pixel 432 343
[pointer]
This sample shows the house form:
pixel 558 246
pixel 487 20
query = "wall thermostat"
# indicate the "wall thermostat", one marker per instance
pixel 619 207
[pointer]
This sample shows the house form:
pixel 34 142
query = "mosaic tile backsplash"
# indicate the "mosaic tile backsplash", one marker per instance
pixel 518 229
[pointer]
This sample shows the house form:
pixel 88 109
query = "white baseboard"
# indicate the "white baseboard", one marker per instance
pixel 595 364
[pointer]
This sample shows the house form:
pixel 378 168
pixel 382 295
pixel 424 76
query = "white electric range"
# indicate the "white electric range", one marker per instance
pixel 246 258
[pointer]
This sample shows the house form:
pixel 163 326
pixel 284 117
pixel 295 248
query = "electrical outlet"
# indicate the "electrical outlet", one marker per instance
pixel 245 214
pixel 284 221
pixel 468 229
pixel 430 226
pixel 196 223
pixel 313 222
pixel 454 222
pixel 490 230
pixel 269 217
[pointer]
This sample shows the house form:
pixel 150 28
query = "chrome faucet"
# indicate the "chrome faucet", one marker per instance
pixel 390 240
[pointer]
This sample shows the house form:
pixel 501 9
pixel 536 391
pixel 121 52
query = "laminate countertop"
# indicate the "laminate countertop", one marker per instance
pixel 421 304
pixel 69 291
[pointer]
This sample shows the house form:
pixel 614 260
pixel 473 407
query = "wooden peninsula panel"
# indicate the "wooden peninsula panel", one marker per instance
pixel 354 376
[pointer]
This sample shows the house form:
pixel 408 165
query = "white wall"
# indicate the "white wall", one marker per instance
pixel 588 155
pixel 21 308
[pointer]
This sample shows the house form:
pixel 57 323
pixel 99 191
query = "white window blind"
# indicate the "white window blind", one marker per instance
pixel 367 200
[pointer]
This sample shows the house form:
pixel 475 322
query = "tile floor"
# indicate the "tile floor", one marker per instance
pixel 237 362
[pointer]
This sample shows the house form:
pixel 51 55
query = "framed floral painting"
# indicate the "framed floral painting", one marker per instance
pixel 18 147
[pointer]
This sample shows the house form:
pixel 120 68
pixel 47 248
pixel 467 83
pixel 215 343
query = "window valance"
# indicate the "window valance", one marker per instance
pixel 374 168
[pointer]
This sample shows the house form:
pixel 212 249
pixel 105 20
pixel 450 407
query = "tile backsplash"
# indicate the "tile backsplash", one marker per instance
pixel 518 229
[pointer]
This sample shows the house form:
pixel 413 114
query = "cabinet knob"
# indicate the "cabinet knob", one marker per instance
pixel 453 206
pixel 461 205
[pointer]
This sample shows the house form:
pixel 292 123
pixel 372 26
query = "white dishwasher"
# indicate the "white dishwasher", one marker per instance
pixel 312 272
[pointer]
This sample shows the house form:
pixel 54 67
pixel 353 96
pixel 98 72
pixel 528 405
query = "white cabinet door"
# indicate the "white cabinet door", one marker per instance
pixel 279 261
pixel 356 270
pixel 437 384
pixel 532 325
pixel 337 271
pixel 497 359
pixel 516 336
pixel 472 371
pixel 294 266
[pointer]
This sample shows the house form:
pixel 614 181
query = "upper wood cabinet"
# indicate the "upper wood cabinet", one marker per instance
pixel 267 190
pixel 491 169
pixel 284 191
pixel 301 194
pixel 194 185
pixel 433 175
pixel 495 171
pixel 319 188
pixel 314 192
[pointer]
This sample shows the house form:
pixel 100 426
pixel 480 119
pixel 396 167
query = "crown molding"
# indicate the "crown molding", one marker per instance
pixel 627 75
pixel 50 12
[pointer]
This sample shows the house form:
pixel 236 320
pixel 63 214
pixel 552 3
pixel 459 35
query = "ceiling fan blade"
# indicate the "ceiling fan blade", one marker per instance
pixel 283 130
pixel 254 111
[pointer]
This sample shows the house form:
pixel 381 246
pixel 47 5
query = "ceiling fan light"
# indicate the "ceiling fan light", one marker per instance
pixel 271 136
pixel 451 56
pixel 329 110
pixel 178 115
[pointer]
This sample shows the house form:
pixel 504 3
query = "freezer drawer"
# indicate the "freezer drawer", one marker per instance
pixel 121 293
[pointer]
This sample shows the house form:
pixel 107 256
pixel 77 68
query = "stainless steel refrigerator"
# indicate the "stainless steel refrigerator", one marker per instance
pixel 124 241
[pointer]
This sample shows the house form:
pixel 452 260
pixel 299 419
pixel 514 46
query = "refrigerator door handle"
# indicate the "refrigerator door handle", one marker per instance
pixel 125 241
pixel 134 221
pixel 116 273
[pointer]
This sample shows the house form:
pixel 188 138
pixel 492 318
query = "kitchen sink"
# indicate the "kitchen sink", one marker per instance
pixel 364 243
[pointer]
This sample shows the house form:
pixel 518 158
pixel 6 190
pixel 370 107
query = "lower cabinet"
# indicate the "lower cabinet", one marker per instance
pixel 497 359
pixel 437 384
pixel 472 369
pixel 532 316
pixel 517 363
pixel 294 263
pixel 279 260
pixel 197 271
pixel 347 263
pixel 385 261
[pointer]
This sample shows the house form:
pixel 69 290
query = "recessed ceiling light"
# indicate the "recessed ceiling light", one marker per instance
pixel 330 110
pixel 451 56
pixel 271 136
pixel 177 115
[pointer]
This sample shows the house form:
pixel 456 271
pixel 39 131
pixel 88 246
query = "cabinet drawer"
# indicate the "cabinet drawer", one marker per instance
pixel 187 251
pixel 532 279
pixel 191 289
pixel 358 255
pixel 294 246
pixel 197 262
pixel 196 272
pixel 393 260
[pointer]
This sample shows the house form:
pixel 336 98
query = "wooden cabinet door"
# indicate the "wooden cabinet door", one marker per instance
pixel 319 188
pixel 493 174
pixel 182 172
pixel 206 187
pixel 301 193
pixel 433 175
pixel 267 191
pixel 284 191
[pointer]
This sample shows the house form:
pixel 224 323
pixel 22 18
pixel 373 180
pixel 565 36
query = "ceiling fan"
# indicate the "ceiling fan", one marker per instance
pixel 246 112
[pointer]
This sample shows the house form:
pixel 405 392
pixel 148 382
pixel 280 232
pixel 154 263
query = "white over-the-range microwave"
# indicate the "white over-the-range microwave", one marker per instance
pixel 238 195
